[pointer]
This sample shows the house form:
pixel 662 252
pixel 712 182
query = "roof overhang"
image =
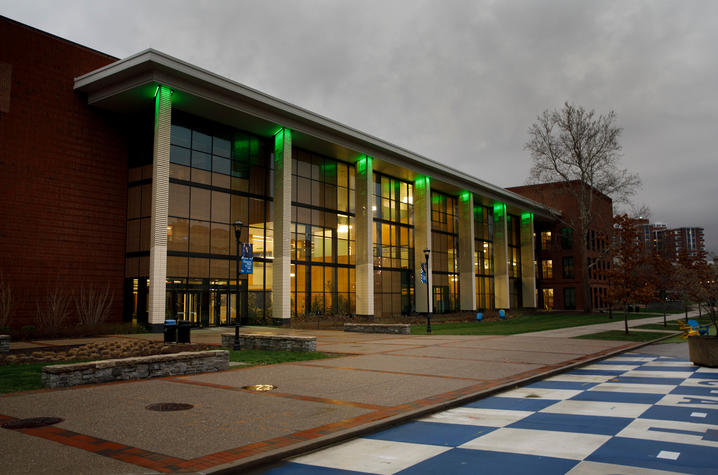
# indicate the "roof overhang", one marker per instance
pixel 130 84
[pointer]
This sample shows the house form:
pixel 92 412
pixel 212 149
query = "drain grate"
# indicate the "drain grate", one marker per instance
pixel 169 406
pixel 260 387
pixel 32 423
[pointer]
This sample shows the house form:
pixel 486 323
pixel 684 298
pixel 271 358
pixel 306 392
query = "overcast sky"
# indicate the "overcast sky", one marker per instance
pixel 457 81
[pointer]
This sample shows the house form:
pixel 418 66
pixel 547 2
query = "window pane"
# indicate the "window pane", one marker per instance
pixel 177 234
pixel 201 160
pixel 199 237
pixel 178 201
pixel 200 208
pixel 220 238
pixel 221 147
pixel 201 142
pixel 220 207
pixel 221 165
pixel 180 136
pixel 179 155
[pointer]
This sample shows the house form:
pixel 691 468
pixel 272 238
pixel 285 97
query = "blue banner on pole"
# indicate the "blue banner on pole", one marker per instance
pixel 423 273
pixel 247 265
pixel 247 261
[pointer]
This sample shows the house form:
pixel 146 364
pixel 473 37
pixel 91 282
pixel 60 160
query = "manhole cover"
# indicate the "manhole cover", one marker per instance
pixel 169 406
pixel 32 423
pixel 260 387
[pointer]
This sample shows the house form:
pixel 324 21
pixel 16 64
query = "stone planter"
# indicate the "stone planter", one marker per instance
pixel 703 350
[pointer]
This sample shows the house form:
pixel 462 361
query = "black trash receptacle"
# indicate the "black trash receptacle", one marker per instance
pixel 170 330
pixel 183 330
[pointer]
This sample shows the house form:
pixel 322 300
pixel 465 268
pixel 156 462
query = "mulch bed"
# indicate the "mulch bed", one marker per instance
pixel 99 351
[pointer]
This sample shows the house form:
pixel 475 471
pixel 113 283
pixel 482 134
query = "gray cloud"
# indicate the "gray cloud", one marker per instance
pixel 458 81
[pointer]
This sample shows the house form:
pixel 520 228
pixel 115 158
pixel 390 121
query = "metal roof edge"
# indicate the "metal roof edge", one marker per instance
pixel 151 56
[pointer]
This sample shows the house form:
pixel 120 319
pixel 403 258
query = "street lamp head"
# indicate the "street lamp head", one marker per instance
pixel 237 229
pixel 427 251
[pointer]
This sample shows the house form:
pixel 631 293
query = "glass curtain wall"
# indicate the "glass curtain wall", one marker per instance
pixel 513 225
pixel 484 256
pixel 217 176
pixel 393 246
pixel 139 213
pixel 444 245
pixel 323 237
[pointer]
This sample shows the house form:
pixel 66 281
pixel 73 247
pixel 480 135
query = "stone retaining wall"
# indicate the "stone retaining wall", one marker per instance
pixel 4 343
pixel 272 342
pixel 397 328
pixel 141 367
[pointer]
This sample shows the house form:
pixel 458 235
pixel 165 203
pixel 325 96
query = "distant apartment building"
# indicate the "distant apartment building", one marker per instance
pixel 560 280
pixel 677 242
pixel 671 242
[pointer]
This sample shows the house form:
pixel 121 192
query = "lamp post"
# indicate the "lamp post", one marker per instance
pixel 237 234
pixel 428 314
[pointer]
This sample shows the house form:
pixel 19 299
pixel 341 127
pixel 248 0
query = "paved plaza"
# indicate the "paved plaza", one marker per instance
pixel 382 381
pixel 633 413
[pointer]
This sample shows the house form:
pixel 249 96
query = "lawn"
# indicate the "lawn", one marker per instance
pixel 620 335
pixel 524 323
pixel 21 377
pixel 26 377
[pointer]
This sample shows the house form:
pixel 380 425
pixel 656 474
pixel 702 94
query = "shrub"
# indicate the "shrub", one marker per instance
pixel 5 301
pixel 53 312
pixel 93 304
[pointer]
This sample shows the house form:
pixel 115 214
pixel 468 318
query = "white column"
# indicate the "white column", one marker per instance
pixel 528 269
pixel 160 198
pixel 281 281
pixel 364 238
pixel 467 270
pixel 422 240
pixel 501 257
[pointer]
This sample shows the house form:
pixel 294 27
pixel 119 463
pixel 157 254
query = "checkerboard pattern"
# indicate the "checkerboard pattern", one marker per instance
pixel 632 413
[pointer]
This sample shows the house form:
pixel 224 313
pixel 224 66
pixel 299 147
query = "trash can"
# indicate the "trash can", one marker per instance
pixel 170 330
pixel 183 330
pixel 479 316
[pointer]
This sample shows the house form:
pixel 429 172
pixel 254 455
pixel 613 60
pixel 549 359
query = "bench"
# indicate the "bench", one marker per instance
pixel 395 328
pixel 141 367
pixel 272 342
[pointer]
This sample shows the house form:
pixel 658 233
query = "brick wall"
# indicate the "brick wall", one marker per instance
pixel 557 196
pixel 63 174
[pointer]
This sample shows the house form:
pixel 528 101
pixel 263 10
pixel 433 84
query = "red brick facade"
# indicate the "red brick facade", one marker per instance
pixel 63 175
pixel 558 196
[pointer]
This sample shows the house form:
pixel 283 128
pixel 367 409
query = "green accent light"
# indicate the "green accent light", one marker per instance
pixel 499 211
pixel 279 145
pixel 160 92
pixel 421 181
pixel 526 216
pixel 465 195
pixel 362 164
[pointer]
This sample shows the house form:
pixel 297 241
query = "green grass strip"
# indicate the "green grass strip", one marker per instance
pixel 23 377
pixel 523 324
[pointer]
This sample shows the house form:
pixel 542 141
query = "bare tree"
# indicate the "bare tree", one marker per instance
pixel 581 150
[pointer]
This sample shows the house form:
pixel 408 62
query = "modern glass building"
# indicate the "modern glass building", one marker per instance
pixel 338 220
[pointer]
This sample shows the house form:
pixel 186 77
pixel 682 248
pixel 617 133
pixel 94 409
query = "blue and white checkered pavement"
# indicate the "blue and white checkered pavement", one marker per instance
pixel 630 414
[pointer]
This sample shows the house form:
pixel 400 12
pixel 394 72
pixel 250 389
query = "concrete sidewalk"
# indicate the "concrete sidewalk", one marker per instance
pixel 383 379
